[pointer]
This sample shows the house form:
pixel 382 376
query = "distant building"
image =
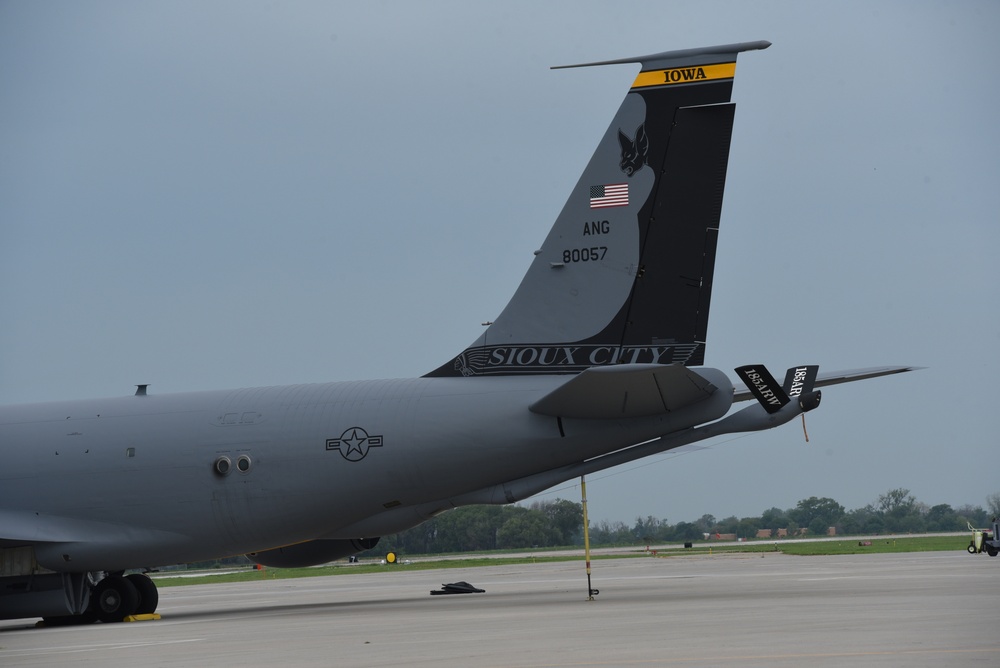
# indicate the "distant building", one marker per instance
pixel 783 533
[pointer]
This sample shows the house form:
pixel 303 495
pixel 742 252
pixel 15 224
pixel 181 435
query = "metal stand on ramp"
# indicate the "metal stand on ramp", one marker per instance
pixel 591 592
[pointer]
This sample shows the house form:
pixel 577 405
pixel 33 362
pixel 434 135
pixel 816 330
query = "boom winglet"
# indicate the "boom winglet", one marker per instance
pixel 763 386
pixel 744 393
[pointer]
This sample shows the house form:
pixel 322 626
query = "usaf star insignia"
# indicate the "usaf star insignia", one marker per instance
pixel 354 444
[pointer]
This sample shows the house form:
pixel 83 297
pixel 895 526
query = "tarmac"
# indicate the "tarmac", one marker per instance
pixel 918 609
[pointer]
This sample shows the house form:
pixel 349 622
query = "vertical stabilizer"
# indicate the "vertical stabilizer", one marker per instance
pixel 625 274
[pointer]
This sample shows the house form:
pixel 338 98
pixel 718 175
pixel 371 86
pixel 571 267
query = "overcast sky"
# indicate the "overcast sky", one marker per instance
pixel 208 195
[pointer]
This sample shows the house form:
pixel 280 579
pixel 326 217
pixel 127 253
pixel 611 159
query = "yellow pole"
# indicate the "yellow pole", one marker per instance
pixel 591 592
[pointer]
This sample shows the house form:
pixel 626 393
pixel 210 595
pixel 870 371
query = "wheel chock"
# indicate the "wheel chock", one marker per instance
pixel 142 618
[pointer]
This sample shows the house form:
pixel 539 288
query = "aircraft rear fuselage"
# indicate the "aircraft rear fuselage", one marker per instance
pixel 169 478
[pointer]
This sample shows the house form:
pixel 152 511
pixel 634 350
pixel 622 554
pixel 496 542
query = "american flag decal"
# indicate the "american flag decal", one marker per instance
pixel 615 194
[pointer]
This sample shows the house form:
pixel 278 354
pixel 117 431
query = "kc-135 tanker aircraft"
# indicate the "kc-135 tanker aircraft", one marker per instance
pixel 596 361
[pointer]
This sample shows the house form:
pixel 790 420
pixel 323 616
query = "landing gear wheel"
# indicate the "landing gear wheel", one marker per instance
pixel 113 599
pixel 148 595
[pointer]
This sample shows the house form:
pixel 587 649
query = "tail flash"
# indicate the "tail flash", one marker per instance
pixel 625 274
pixel 763 386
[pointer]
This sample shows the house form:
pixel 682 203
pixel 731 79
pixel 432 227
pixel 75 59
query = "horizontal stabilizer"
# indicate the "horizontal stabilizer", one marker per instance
pixel 836 377
pixel 625 391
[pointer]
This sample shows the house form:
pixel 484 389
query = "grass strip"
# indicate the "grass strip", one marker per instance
pixel 887 544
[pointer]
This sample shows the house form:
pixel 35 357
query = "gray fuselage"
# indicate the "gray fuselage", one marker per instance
pixel 132 482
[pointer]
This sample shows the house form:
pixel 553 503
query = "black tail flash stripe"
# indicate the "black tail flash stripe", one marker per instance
pixel 670 301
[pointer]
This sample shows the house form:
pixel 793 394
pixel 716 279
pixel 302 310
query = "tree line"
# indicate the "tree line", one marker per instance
pixel 560 523
pixel 477 528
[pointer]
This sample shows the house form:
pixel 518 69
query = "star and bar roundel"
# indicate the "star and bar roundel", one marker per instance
pixel 354 443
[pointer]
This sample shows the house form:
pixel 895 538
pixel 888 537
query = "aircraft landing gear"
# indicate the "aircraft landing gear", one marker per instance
pixel 64 599
pixel 149 597
pixel 117 597
pixel 113 599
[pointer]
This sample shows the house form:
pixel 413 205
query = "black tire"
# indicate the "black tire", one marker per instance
pixel 113 599
pixel 971 548
pixel 992 551
pixel 149 597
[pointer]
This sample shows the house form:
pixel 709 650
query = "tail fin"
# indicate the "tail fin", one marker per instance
pixel 625 274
